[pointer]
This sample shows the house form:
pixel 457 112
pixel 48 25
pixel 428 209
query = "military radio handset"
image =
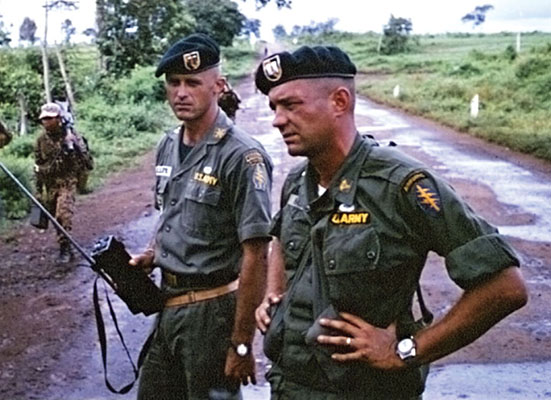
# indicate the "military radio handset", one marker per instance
pixel 110 260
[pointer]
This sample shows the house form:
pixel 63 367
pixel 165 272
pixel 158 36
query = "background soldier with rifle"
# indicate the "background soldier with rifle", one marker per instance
pixel 61 156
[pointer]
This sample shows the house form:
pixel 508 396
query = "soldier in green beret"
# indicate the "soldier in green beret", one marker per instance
pixel 355 225
pixel 213 184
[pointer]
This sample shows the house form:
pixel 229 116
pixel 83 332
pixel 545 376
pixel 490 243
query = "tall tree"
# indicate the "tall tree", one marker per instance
pixel 251 27
pixel 279 32
pixel 279 3
pixel 136 32
pixel 220 19
pixel 396 35
pixel 27 31
pixel 478 16
pixel 68 29
pixel 51 5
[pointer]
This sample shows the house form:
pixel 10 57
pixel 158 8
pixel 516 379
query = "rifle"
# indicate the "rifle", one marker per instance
pixel 109 260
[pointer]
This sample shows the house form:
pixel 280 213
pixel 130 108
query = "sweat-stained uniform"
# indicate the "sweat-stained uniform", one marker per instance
pixel 210 202
pixel 56 172
pixel 369 233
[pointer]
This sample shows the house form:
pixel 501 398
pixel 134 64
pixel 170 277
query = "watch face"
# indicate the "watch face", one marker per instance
pixel 242 350
pixel 405 345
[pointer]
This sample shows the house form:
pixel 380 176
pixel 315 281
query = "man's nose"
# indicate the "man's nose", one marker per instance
pixel 279 119
pixel 181 91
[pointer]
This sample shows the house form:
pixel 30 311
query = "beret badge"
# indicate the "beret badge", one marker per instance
pixel 272 68
pixel 192 61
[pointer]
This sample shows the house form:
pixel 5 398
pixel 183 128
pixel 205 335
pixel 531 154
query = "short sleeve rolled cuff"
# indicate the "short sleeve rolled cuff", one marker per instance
pixel 480 258
pixel 255 231
pixel 252 205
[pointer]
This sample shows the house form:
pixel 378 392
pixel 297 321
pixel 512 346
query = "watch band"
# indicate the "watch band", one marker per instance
pixel 242 349
pixel 406 349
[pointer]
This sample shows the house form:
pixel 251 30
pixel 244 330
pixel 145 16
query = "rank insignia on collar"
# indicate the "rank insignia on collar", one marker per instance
pixel 219 133
pixel 272 68
pixel 428 199
pixel 345 186
pixel 192 60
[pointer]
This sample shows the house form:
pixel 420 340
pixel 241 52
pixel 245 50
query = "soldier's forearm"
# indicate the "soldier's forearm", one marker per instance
pixel 276 280
pixel 251 286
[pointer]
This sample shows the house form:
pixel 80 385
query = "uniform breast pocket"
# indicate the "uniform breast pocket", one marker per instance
pixel 352 262
pixel 351 249
pixel 203 215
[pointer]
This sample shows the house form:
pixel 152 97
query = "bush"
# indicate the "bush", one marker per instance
pixel 140 86
pixel 21 146
pixel 15 203
pixel 122 120
pixel 533 67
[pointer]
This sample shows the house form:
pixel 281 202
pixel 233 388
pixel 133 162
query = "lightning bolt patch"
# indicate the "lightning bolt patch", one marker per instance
pixel 260 177
pixel 427 199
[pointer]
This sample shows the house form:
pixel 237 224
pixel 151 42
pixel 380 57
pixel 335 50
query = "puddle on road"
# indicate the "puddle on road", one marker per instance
pixel 512 184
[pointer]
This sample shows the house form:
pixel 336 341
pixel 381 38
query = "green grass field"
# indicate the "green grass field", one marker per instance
pixel 440 74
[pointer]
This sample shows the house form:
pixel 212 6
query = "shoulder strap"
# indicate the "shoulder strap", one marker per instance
pixel 426 314
pixel 103 342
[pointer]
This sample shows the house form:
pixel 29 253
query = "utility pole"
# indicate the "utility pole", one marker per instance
pixel 45 65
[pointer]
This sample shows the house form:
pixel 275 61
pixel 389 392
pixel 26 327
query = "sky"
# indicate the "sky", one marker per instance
pixel 427 16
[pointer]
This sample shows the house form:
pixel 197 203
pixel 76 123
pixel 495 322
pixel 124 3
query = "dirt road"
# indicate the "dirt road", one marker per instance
pixel 48 343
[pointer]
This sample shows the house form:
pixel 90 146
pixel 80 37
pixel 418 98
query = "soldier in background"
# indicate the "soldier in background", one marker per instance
pixel 229 101
pixel 5 136
pixel 60 157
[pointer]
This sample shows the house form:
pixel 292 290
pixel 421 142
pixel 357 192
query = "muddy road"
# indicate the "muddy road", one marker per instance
pixel 48 339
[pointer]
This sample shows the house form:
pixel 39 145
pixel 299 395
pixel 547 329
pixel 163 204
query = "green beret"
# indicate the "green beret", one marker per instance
pixel 190 55
pixel 304 63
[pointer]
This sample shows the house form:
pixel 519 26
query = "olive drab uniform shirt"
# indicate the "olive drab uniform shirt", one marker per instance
pixel 370 233
pixel 210 202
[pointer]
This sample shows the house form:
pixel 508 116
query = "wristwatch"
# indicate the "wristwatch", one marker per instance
pixel 242 349
pixel 406 349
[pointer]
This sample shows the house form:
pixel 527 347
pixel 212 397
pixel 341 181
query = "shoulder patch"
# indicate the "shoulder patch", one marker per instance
pixel 411 178
pixel 427 198
pixel 253 157
pixel 260 177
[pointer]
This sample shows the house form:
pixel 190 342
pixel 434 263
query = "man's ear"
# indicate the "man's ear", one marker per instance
pixel 220 84
pixel 341 98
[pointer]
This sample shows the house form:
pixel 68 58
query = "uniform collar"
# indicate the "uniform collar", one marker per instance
pixel 343 186
pixel 221 127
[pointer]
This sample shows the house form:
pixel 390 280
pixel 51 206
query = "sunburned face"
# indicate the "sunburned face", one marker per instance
pixel 302 115
pixel 191 95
